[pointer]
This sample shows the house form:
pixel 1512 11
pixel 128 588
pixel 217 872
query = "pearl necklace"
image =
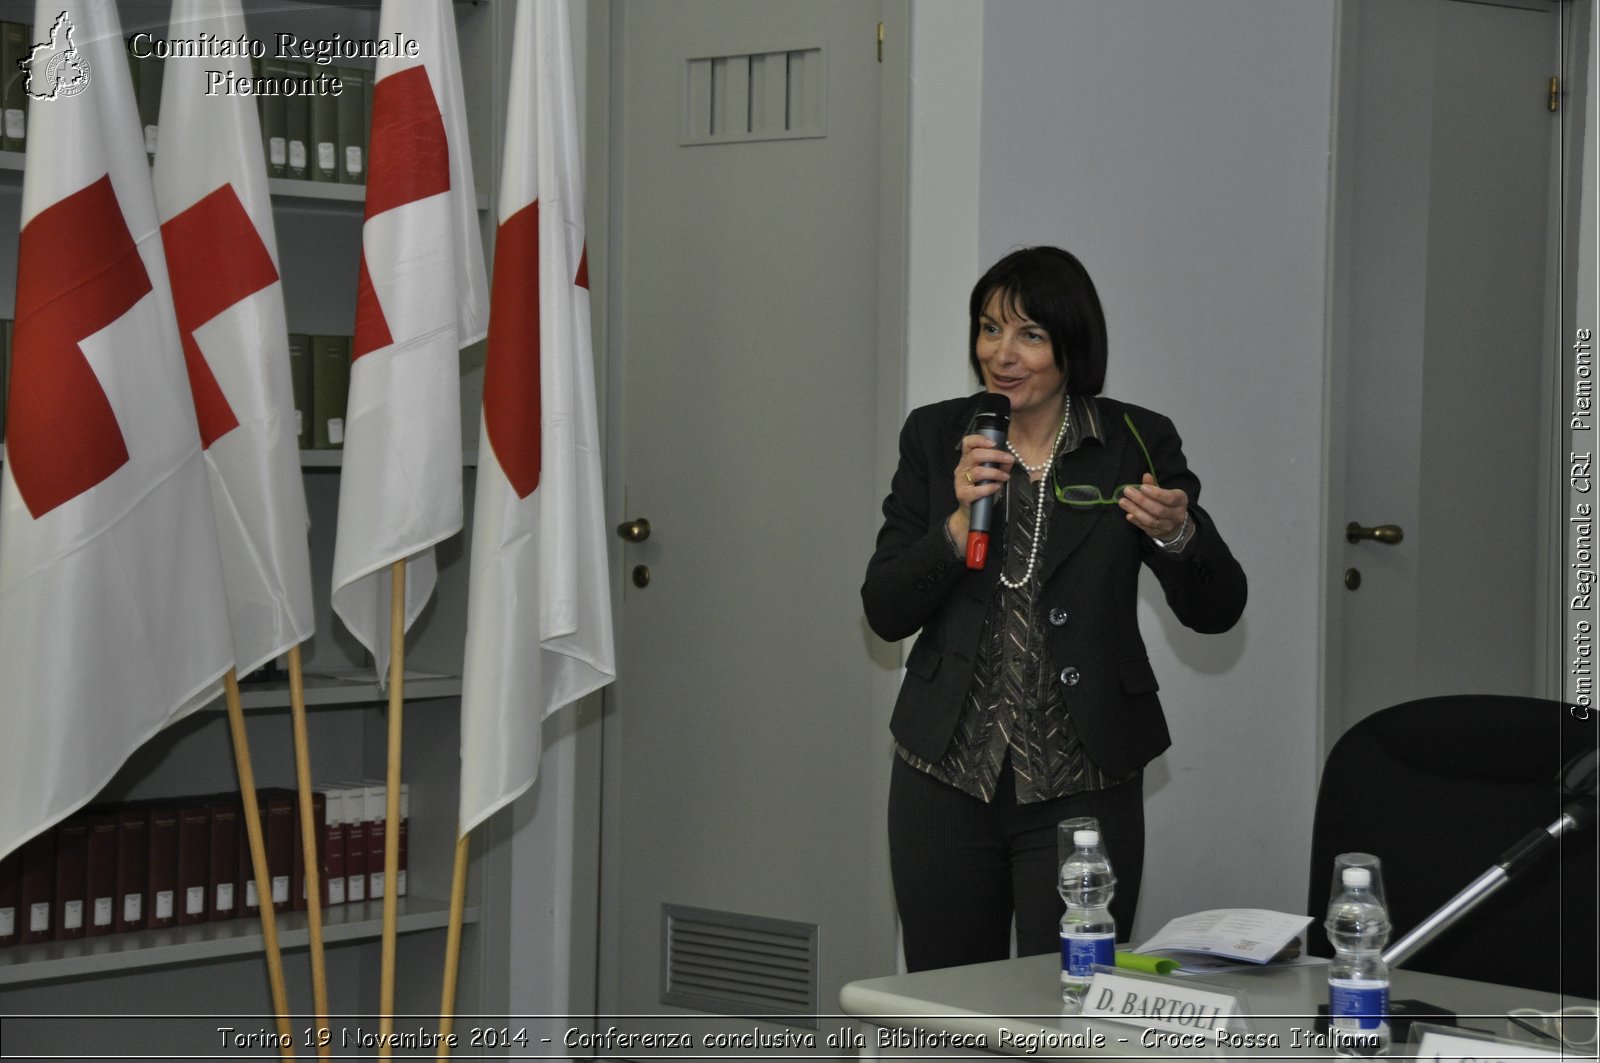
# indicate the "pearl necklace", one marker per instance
pixel 1043 468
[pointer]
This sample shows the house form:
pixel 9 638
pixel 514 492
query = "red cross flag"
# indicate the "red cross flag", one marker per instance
pixel 422 296
pixel 216 224
pixel 539 607
pixel 112 616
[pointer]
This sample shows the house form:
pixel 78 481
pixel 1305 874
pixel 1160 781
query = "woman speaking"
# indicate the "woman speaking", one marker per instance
pixel 1028 697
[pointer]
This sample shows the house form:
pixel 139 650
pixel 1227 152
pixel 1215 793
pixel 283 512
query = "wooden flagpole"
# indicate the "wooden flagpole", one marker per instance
pixel 313 857
pixel 258 861
pixel 391 819
pixel 452 945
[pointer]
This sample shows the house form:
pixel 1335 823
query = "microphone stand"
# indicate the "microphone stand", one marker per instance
pixel 1516 860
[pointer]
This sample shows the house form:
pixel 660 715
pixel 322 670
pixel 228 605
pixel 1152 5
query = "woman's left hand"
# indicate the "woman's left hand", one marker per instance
pixel 1157 511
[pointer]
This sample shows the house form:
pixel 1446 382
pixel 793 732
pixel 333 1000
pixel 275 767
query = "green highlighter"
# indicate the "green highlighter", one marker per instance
pixel 1138 961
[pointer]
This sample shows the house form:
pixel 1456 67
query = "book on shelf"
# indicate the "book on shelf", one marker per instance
pixel 330 388
pixel 338 830
pixel 297 123
pixel 300 381
pixel 366 115
pixel 226 821
pixel 356 834
pixel 10 897
pixel 319 811
pixel 133 868
pixel 163 872
pixel 100 874
pixel 353 124
pixel 194 863
pixel 324 136
pixel 249 893
pixel 38 892
pixel 375 809
pixel 16 43
pixel 148 93
pixel 72 855
pixel 280 826
pixel 274 113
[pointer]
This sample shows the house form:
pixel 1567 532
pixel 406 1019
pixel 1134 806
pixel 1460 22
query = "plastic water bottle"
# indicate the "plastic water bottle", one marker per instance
pixel 1088 933
pixel 1358 979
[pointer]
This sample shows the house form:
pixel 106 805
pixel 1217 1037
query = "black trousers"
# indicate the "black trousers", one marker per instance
pixel 963 869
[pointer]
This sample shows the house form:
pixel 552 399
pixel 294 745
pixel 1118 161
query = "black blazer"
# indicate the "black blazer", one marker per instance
pixel 1089 567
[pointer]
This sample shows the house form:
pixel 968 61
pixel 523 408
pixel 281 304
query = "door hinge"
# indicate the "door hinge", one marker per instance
pixel 880 42
pixel 1555 92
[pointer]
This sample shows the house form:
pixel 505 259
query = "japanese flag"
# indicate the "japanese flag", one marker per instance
pixel 539 607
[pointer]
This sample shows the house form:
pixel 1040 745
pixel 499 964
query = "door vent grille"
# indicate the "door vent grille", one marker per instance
pixel 759 96
pixel 745 965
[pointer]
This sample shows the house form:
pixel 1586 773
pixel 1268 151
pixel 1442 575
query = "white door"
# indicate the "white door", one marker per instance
pixel 744 767
pixel 1443 341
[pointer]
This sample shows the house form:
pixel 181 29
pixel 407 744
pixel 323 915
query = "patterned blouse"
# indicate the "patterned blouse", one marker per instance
pixel 1013 707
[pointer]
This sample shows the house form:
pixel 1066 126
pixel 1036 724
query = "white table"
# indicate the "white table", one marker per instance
pixel 1013 1005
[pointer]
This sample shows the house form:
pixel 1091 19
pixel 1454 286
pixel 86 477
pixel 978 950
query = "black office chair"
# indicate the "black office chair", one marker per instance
pixel 1439 789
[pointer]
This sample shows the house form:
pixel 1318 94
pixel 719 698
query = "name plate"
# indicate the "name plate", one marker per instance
pixel 1166 1004
pixel 1437 1043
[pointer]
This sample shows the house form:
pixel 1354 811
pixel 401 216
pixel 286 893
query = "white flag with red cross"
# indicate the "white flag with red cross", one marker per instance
pixel 216 226
pixel 422 296
pixel 113 620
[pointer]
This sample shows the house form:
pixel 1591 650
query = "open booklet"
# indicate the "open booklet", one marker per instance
pixel 1230 938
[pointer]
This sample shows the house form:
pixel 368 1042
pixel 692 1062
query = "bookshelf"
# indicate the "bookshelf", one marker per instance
pixel 327 689
pixel 289 190
pixel 334 459
pixel 151 949
pixel 217 967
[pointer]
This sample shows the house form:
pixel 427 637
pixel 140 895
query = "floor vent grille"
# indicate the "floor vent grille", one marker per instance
pixel 745 965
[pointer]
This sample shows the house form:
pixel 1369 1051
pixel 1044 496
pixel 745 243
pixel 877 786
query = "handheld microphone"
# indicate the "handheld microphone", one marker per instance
pixel 1580 779
pixel 992 421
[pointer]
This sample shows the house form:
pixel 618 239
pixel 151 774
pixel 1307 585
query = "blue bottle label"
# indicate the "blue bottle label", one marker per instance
pixel 1365 1002
pixel 1081 952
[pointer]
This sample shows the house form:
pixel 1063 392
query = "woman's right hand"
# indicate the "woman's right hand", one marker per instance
pixel 975 479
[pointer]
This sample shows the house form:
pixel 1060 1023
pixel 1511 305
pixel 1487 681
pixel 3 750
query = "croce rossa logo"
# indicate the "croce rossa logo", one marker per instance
pixel 56 69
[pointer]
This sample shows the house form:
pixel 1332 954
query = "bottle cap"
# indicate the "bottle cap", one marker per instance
pixel 1357 876
pixel 1085 837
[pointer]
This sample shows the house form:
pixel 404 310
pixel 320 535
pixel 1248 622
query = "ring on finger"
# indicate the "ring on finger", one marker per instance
pixel 969 477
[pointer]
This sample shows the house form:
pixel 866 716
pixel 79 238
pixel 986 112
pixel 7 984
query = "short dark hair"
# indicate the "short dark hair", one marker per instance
pixel 1051 287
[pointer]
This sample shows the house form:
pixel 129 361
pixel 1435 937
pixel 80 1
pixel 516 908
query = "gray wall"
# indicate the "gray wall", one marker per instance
pixel 1180 150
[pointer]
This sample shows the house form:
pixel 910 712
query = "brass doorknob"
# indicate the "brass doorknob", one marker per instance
pixel 1383 533
pixel 634 531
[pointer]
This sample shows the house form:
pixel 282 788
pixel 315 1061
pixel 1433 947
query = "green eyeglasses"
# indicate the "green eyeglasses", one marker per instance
pixel 1089 494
